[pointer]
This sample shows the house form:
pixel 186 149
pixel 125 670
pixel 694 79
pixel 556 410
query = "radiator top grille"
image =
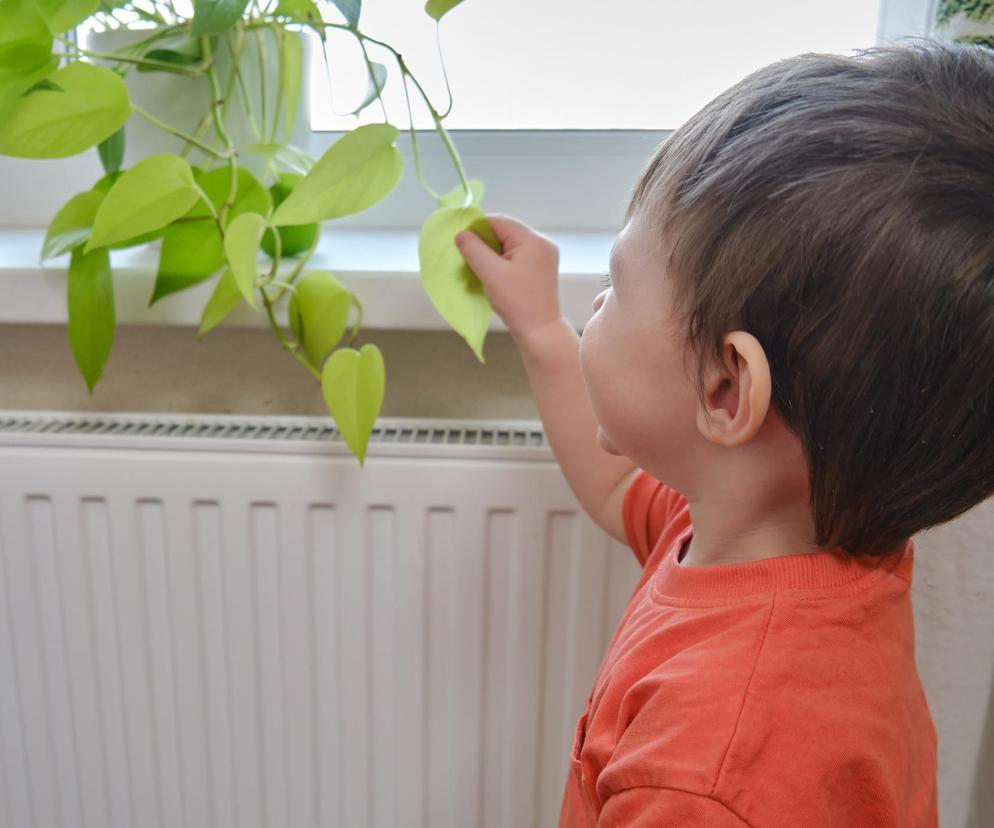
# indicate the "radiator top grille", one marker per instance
pixel 289 429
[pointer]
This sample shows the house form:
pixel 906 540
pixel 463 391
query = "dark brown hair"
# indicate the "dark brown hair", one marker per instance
pixel 841 210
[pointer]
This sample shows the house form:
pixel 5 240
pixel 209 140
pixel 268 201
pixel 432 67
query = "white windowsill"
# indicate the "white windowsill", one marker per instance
pixel 379 266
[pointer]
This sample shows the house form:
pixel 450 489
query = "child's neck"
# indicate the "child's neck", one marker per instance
pixel 737 531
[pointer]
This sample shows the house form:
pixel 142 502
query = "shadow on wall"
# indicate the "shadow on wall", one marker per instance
pixel 982 804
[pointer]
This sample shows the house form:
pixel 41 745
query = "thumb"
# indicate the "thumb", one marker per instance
pixel 480 257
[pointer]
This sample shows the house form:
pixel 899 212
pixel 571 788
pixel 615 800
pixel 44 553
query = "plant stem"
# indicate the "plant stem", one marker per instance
pixel 210 208
pixel 445 75
pixel 191 71
pixel 278 34
pixel 291 347
pixel 436 117
pixel 222 133
pixel 248 105
pixel 372 77
pixel 177 133
pixel 414 142
pixel 300 265
pixel 262 79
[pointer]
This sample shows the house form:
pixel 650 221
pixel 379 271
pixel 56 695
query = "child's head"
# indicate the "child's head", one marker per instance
pixel 803 296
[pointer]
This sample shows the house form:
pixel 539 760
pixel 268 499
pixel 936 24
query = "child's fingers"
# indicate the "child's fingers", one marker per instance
pixel 509 231
pixel 480 257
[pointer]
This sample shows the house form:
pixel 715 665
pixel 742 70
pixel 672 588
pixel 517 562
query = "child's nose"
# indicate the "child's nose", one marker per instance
pixel 599 300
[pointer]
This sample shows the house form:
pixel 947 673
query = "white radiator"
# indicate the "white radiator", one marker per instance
pixel 222 621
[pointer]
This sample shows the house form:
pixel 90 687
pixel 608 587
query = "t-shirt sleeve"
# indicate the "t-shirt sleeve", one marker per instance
pixel 651 807
pixel 647 508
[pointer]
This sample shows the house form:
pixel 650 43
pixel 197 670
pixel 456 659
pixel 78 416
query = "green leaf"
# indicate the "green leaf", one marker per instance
pixel 90 296
pixel 357 171
pixel 62 15
pixel 302 11
pixel 250 195
pixel 216 16
pixel 453 288
pixel 72 225
pixel 191 252
pixel 377 73
pixel 21 22
pixel 222 302
pixel 241 245
pixel 352 383
pixel 27 74
pixel 456 196
pixel 25 51
pixel 105 183
pixel 319 313
pixel 287 156
pixel 291 70
pixel 154 192
pixel 438 8
pixel 192 249
pixel 111 152
pixel 294 238
pixel 350 10
pixel 52 124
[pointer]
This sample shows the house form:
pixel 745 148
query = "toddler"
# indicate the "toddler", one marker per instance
pixel 788 377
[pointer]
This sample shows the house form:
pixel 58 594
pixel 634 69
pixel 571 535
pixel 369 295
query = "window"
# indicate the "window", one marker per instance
pixel 559 104
pixel 559 64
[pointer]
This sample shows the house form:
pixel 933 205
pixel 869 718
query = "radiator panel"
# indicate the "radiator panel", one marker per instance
pixel 251 634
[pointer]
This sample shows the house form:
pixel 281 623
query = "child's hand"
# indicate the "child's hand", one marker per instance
pixel 521 283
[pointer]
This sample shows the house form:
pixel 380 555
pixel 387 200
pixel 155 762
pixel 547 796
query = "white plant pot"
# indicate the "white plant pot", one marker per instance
pixel 182 101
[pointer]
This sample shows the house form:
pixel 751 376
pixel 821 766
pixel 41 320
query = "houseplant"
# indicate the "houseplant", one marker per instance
pixel 965 21
pixel 215 219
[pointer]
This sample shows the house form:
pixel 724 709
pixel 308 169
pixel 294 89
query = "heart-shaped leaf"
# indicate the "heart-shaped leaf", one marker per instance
pixel 457 195
pixel 319 312
pixel 453 288
pixel 357 171
pixel 222 302
pixel 352 383
pixel 72 225
pixel 438 8
pixel 241 245
pixel 154 192
pixel 92 106
pixel 90 297
pixel 216 16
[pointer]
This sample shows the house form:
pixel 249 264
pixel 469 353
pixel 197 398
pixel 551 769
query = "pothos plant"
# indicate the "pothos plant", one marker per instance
pixel 214 218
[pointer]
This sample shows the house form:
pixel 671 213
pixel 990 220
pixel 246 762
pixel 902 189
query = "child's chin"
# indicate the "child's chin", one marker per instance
pixel 605 443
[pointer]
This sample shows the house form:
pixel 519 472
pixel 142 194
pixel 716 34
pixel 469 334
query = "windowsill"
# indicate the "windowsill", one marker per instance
pixel 380 266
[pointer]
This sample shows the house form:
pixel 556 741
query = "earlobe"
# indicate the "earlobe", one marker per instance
pixel 737 397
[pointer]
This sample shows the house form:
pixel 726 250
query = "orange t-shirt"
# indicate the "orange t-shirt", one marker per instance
pixel 780 692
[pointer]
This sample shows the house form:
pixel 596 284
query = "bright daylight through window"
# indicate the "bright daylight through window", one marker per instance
pixel 563 65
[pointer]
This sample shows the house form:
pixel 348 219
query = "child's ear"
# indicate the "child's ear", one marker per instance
pixel 737 396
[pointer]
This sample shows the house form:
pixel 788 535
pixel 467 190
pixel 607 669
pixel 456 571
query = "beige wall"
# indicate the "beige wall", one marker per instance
pixel 244 371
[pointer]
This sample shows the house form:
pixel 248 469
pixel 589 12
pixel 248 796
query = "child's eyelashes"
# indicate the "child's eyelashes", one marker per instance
pixel 606 280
